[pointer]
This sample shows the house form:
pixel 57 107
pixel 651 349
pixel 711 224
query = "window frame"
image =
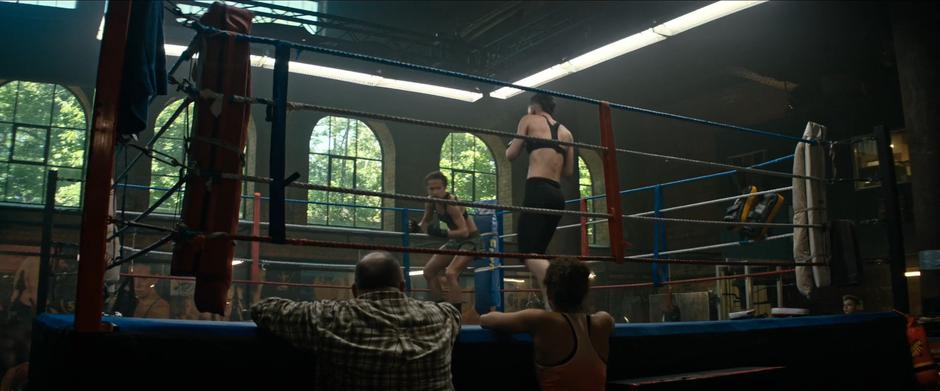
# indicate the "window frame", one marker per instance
pixel 330 157
pixel 50 129
pixel 45 149
pixel 450 171
pixel 274 15
pixel 188 115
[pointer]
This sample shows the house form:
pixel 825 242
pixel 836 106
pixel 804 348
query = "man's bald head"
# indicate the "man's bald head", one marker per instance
pixel 378 270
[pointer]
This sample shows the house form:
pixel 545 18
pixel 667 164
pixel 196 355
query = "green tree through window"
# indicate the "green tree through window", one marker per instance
pixel 586 188
pixel 470 167
pixel 42 127
pixel 344 153
pixel 172 143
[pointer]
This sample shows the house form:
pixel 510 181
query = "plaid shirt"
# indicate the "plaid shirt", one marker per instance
pixel 381 340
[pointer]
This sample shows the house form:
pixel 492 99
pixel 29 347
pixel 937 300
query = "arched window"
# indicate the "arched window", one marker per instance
pixel 470 166
pixel 172 143
pixel 344 153
pixel 42 127
pixel 586 189
pixel 284 12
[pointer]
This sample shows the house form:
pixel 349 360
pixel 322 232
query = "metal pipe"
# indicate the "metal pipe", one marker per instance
pixel 720 293
pixel 714 246
pixel 45 247
pixel 256 246
pixel 779 289
pixel 500 275
pixel 892 219
pixel 748 287
pixel 406 256
pixel 276 209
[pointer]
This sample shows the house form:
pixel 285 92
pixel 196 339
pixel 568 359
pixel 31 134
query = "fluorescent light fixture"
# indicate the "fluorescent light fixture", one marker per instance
pixel 636 41
pixel 174 50
pixel 351 77
pixel 379 81
pixel 416 272
pixel 702 15
pixel 514 280
pixel 236 262
pixel 912 274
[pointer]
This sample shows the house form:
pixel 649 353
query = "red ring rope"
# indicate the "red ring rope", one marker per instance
pixel 418 250
pixel 618 286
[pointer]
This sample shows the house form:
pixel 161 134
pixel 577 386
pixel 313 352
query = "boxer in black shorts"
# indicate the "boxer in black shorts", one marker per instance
pixel 461 234
pixel 547 162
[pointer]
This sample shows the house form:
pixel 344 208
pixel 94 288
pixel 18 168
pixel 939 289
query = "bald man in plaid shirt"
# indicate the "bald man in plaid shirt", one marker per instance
pixel 381 340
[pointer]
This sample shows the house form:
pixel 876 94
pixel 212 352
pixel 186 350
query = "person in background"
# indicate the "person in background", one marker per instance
pixel 149 302
pixel 851 304
pixel 381 340
pixel 571 344
pixel 25 288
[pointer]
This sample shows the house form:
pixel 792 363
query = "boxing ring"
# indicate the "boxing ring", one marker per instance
pixel 868 351
pixel 81 349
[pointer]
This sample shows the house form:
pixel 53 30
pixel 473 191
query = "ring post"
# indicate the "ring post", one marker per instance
pixel 611 183
pixel 89 300
pixel 584 235
pixel 892 221
pixel 256 246
pixel 278 117
pixel 659 238
pixel 501 306
pixel 406 243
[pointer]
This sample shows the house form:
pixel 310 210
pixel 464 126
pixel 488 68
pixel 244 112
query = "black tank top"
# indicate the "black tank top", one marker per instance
pixel 445 217
pixel 531 145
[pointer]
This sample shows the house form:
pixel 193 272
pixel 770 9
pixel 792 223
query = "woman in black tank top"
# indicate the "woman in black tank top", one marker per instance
pixel 461 233
pixel 542 189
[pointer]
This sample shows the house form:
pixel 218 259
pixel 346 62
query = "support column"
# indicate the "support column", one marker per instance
pixel 45 244
pixel 584 234
pixel 255 247
pixel 892 221
pixel 916 39
pixel 406 243
pixel 277 228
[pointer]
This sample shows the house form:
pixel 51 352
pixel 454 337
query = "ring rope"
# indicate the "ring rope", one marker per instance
pixel 149 145
pixel 715 201
pixel 714 246
pixel 408 120
pixel 671 282
pixel 670 209
pixel 199 27
pixel 410 197
pixel 485 254
pixel 521 290
pixel 470 129
pixel 720 165
pixel 719 222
